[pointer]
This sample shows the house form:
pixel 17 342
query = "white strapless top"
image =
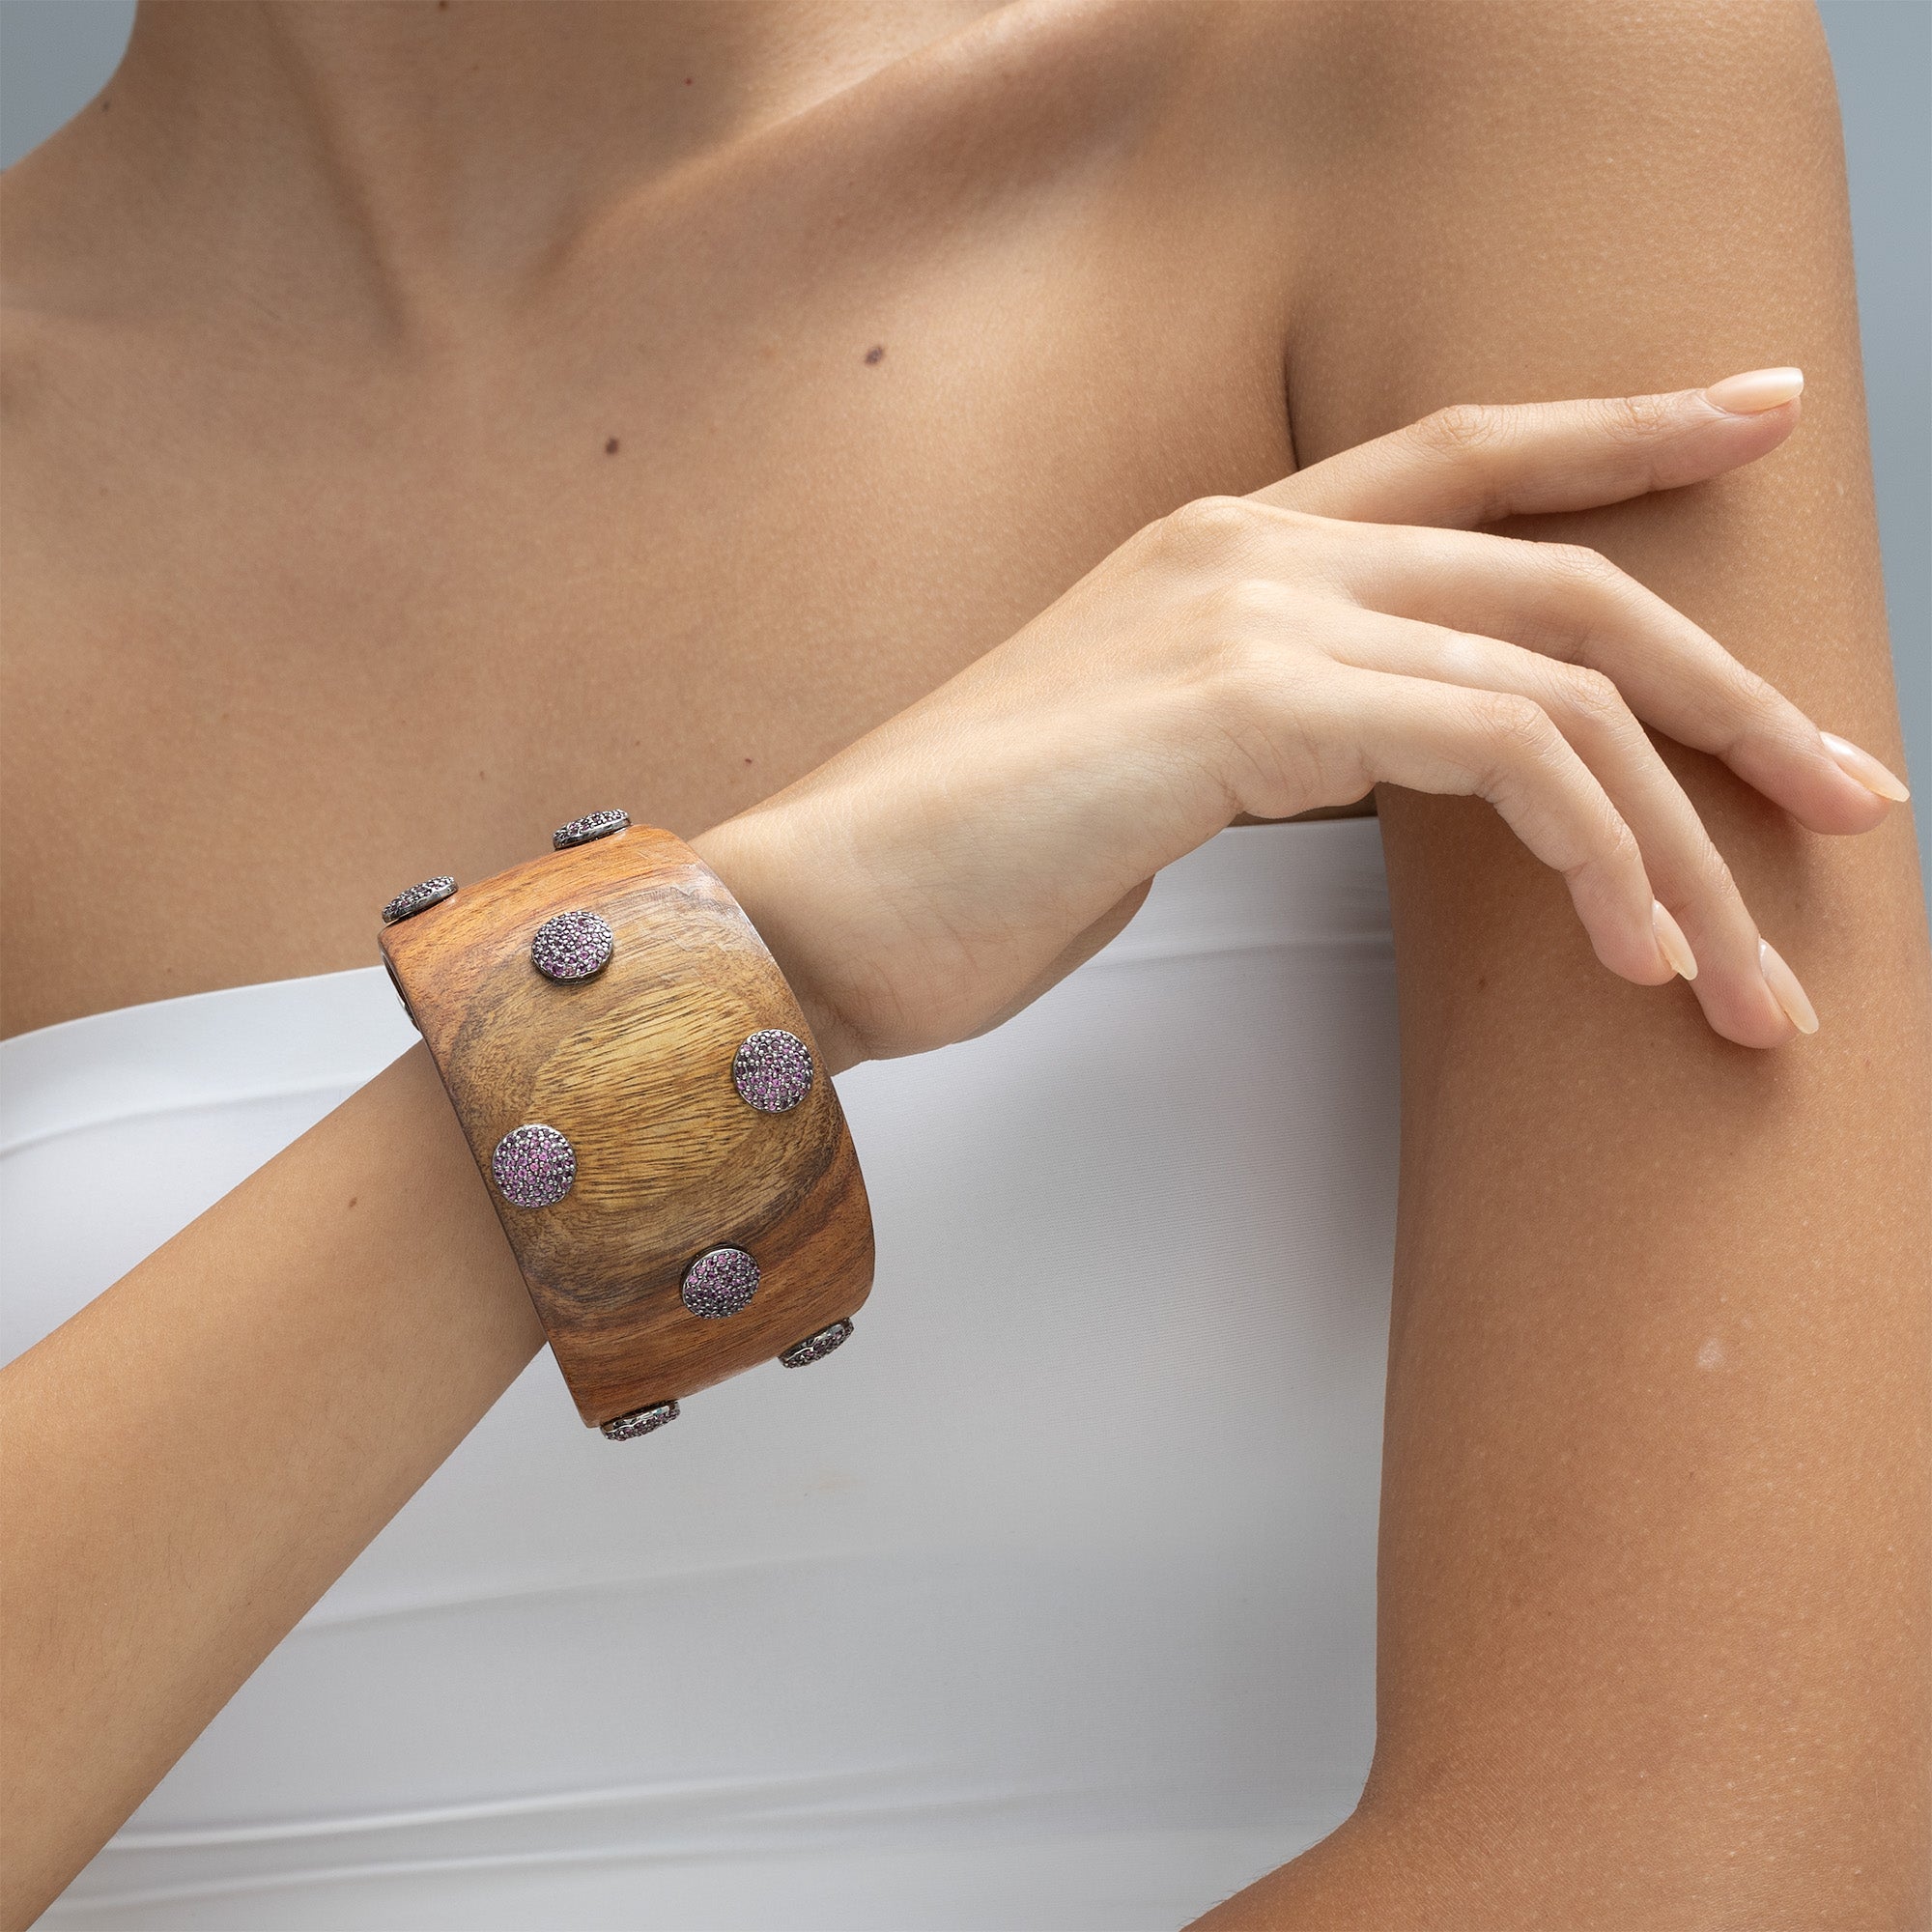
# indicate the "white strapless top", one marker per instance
pixel 1047 1602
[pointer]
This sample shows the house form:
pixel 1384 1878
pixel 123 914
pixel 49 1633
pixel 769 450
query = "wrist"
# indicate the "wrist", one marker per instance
pixel 775 893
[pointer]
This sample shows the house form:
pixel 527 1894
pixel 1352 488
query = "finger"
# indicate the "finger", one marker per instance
pixel 1687 873
pixel 1445 738
pixel 1478 463
pixel 1572 603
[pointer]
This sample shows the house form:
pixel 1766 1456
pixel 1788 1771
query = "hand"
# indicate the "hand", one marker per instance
pixel 1273 653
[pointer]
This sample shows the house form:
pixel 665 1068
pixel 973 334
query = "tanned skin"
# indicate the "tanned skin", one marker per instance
pixel 438 363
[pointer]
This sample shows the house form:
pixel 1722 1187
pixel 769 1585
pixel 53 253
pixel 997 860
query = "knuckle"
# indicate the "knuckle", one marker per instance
pixel 1241 679
pixel 1717 878
pixel 1515 725
pixel 1236 677
pixel 1579 566
pixel 1253 659
pixel 1207 527
pixel 1759 699
pixel 1620 849
pixel 1593 696
pixel 1635 418
pixel 1463 429
pixel 1240 608
pixel 1250 708
pixel 1741 707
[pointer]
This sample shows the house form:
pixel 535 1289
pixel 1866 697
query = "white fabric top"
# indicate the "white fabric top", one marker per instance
pixel 1046 1601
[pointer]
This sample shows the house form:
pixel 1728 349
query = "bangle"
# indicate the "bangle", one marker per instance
pixel 642 1096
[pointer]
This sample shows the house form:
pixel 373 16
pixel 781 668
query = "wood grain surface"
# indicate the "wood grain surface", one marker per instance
pixel 634 1068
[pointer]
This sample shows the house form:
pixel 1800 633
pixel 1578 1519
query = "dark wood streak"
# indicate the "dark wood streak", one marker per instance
pixel 634 1068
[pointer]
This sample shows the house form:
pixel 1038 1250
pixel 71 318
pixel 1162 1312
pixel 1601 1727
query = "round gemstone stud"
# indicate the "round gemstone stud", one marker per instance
pixel 772 1070
pixel 640 1421
pixel 534 1166
pixel 594 825
pixel 571 946
pixel 418 898
pixel 815 1348
pixel 720 1282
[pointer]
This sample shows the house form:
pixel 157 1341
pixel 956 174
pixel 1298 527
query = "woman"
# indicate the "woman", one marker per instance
pixel 430 422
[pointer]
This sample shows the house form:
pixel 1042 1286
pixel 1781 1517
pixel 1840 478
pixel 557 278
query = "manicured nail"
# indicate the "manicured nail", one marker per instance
pixel 1865 768
pixel 1755 390
pixel 1785 989
pixel 1672 943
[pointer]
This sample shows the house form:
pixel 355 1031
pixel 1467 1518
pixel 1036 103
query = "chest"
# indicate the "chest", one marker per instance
pixel 291 623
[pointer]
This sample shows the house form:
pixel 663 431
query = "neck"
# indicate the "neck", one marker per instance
pixel 416 157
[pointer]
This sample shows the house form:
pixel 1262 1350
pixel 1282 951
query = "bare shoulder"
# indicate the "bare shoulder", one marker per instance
pixel 1415 161
pixel 1519 170
pixel 1363 87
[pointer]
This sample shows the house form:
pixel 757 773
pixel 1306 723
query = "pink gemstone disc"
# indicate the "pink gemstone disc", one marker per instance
pixel 815 1348
pixel 720 1282
pixel 640 1422
pixel 418 898
pixel 592 825
pixel 571 946
pixel 772 1070
pixel 534 1166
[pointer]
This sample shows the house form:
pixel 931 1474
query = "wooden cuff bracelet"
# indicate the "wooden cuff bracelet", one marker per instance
pixel 645 1099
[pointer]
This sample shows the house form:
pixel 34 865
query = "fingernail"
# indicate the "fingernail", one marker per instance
pixel 1865 768
pixel 1755 390
pixel 1672 943
pixel 1785 989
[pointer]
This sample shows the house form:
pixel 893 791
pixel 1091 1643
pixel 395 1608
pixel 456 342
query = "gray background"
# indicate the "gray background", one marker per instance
pixel 55 54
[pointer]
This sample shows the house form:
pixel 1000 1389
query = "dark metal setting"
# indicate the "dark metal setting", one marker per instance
pixel 594 825
pixel 720 1282
pixel 639 1422
pixel 534 1166
pixel 772 1070
pixel 571 946
pixel 418 898
pixel 815 1348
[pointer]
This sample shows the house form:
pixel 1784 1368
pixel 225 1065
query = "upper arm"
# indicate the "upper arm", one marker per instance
pixel 1653 1572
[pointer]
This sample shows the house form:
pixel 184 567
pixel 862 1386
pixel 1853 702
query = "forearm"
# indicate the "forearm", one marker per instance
pixel 198 1454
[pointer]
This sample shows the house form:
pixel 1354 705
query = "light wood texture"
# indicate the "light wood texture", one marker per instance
pixel 634 1068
